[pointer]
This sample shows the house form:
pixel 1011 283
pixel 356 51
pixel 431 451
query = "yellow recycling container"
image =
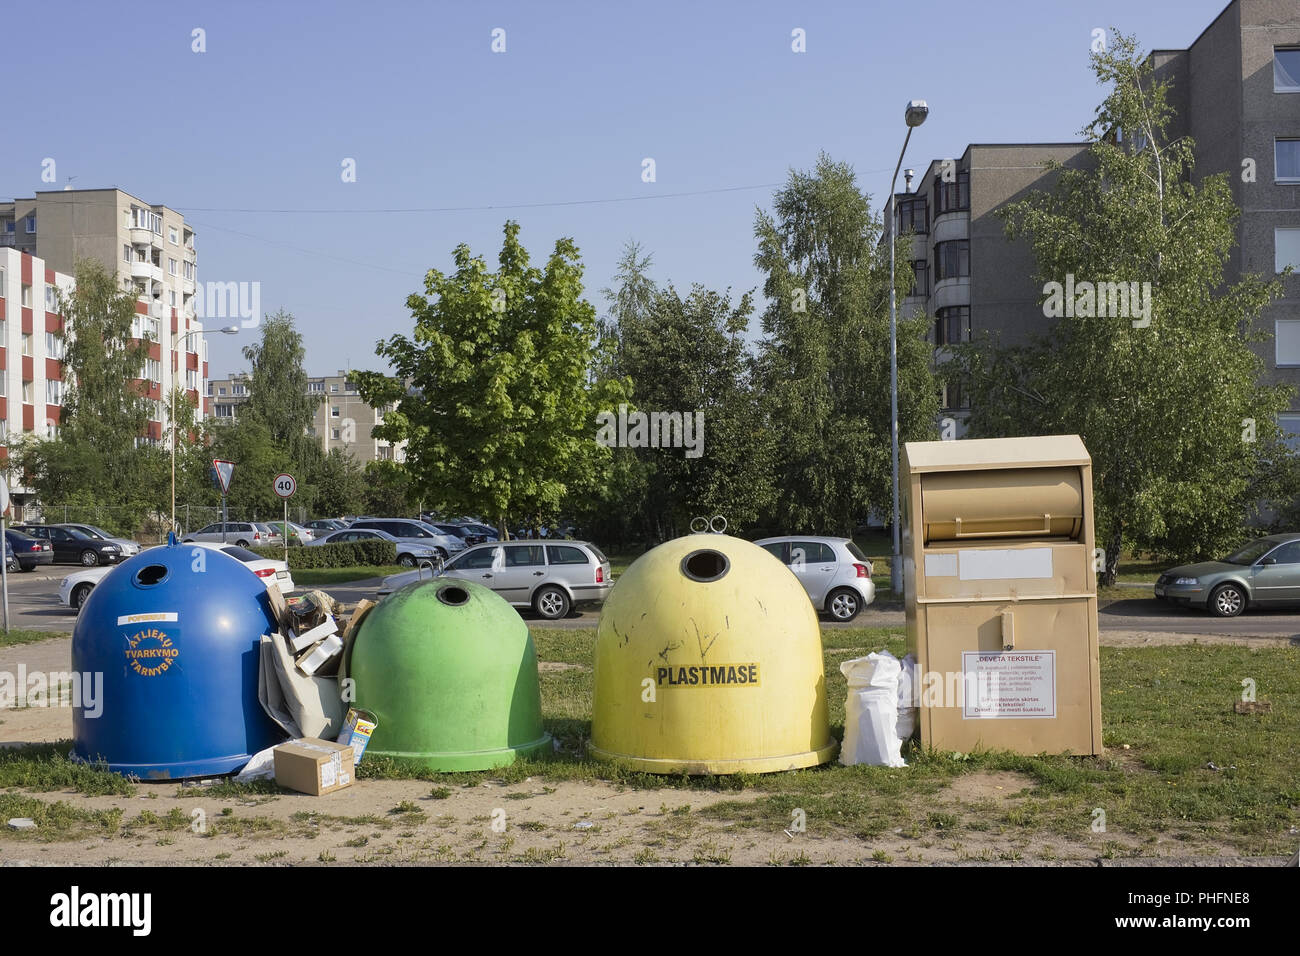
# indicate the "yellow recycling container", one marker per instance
pixel 709 660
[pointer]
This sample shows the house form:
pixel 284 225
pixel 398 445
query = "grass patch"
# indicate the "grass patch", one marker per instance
pixel 21 635
pixel 56 821
pixel 323 577
pixel 44 767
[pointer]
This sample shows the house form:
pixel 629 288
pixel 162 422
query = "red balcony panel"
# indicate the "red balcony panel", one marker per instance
pixel 27 369
pixel 29 418
pixel 207 406
pixel 155 351
pixel 173 321
pixel 27 321
pixel 192 361
pixel 155 430
pixel 53 369
pixel 49 276
pixel 25 270
pixel 2 309
pixel 4 408
pixel 205 369
pixel 193 395
pixel 141 307
pixel 53 322
pixel 52 413
pixel 4 355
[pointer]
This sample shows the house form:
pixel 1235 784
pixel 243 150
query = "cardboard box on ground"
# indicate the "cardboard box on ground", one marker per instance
pixel 314 766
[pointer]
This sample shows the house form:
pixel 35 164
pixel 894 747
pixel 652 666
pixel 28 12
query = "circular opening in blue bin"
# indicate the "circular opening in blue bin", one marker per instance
pixel 151 575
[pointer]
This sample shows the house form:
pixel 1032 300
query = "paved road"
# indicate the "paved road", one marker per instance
pixel 34 603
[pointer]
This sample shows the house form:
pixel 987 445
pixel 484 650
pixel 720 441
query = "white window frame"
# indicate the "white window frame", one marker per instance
pixel 31 225
pixel 1286 334
pixel 1293 428
pixel 1277 176
pixel 1283 89
pixel 173 236
pixel 1293 234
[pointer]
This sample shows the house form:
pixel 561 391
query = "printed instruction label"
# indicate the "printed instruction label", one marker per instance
pixel 1008 684
pixel 999 563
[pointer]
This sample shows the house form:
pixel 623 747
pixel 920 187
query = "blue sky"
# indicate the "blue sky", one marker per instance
pixel 243 137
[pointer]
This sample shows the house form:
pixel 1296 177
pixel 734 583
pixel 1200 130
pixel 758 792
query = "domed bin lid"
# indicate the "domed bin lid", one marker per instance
pixel 709 660
pixel 170 640
pixel 449 670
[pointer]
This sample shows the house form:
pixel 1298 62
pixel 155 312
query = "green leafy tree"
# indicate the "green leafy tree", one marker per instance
pixel 340 485
pixel 1168 398
pixel 689 356
pixel 278 395
pixel 493 392
pixel 387 489
pixel 824 357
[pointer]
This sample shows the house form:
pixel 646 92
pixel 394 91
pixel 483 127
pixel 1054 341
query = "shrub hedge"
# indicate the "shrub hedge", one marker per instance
pixel 347 554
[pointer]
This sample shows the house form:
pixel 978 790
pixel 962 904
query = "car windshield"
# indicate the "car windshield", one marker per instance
pixel 1250 553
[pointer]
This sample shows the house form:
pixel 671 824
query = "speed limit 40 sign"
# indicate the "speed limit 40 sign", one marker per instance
pixel 285 486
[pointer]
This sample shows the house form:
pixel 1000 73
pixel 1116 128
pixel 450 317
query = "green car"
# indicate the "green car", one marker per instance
pixel 1263 573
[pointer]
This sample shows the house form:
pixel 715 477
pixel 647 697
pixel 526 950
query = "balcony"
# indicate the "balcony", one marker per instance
pixel 146 270
pixel 145 237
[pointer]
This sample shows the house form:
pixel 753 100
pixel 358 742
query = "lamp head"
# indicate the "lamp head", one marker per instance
pixel 917 111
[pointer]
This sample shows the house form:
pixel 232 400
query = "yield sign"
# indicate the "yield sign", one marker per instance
pixel 223 470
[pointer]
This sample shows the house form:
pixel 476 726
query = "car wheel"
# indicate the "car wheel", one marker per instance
pixel 551 603
pixel 242 544
pixel 1227 600
pixel 406 560
pixel 440 554
pixel 844 604
pixel 89 559
pixel 79 595
pixel 27 567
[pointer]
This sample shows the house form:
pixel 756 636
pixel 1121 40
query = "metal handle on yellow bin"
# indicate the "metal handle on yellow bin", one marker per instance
pixel 1045 529
pixel 1008 631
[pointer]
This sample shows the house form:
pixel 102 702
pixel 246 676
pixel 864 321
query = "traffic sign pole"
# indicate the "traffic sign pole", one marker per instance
pixel 284 485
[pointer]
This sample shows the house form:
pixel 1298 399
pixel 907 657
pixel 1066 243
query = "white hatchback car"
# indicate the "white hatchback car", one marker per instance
pixel 76 587
pixel 834 572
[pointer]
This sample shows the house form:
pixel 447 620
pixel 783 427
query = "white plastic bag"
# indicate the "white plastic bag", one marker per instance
pixel 871 711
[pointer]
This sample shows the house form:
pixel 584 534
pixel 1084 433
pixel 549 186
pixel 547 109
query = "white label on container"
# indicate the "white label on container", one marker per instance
pixel 1008 684
pixel 998 563
pixel 328 774
pixel 941 565
pixel 148 618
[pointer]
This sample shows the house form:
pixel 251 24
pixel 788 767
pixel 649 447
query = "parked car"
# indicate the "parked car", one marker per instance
pixel 1262 573
pixel 484 533
pixel 410 551
pixel 242 533
pixel 550 578
pixel 297 533
pixel 273 534
pixel 326 525
pixel 834 571
pixel 29 552
pixel 73 547
pixel 76 587
pixel 11 563
pixel 457 531
pixel 408 529
pixel 127 546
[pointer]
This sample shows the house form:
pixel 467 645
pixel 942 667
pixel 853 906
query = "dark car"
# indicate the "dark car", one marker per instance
pixel 28 551
pixel 72 546
pixel 464 532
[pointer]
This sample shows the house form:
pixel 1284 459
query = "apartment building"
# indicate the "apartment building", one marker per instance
pixel 1236 92
pixel 343 419
pixel 151 249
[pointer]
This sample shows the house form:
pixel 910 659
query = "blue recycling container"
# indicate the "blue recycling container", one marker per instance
pixel 174 632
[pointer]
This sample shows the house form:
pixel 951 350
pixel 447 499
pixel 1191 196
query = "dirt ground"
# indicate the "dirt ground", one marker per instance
pixel 537 821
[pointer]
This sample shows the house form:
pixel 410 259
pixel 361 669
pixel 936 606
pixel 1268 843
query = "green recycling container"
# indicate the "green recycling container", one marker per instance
pixel 449 670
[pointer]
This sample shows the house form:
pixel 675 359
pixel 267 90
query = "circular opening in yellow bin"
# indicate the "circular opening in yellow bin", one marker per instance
pixel 707 565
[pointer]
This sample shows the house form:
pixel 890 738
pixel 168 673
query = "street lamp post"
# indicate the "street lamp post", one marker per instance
pixel 917 110
pixel 176 341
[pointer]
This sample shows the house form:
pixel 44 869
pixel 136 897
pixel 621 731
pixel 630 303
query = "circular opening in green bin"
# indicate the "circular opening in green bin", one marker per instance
pixel 705 565
pixel 153 574
pixel 453 596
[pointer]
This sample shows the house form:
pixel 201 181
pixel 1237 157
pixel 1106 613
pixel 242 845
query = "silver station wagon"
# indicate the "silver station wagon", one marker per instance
pixel 548 576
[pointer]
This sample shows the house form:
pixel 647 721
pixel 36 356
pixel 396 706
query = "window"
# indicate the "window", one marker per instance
pixel 224 411
pixel 913 216
pixel 1289 553
pixel 239 390
pixel 189 270
pixel 209 388
pixel 53 392
pixel 4 430
pixel 2 283
pixel 334 411
pixel 1286 160
pixel 9 227
pixel 334 388
pixel 1290 426
pixel 316 387
pixel 171 267
pixel 54 345
pixel 152 370
pixel 1286 342
pixel 222 391
pixel 4 384
pixel 51 299
pixel 524 555
pixel 954 196
pixel 172 236
pixel 172 300
pixel 126 252
pixel 26 297
pixel 951 259
pixel 563 554
pixel 334 434
pixel 192 378
pixel 27 343
pixel 31 225
pixel 952 325
pixel 951 396
pixel 27 393
pixel 1286 247
pixel 921 273
pixel 1286 69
